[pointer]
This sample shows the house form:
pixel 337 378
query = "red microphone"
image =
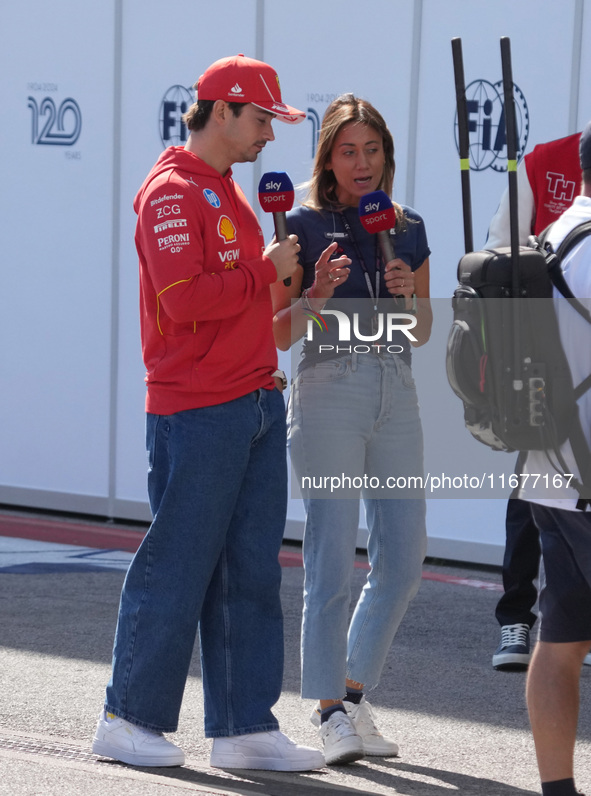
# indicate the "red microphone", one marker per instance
pixel 377 214
pixel 378 217
pixel 276 196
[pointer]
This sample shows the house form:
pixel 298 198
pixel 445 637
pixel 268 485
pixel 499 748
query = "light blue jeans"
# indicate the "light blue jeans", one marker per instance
pixel 357 415
pixel 218 492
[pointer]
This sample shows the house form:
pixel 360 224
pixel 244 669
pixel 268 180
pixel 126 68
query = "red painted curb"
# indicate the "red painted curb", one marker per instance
pixel 65 532
pixel 117 538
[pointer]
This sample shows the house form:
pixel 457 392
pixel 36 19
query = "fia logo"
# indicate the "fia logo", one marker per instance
pixel 175 103
pixel 486 125
pixel 55 125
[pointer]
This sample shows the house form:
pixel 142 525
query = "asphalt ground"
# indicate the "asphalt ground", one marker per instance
pixel 462 727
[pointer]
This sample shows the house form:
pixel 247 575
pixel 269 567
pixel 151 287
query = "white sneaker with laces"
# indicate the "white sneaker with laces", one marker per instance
pixel 121 740
pixel 362 716
pixel 363 719
pixel 341 742
pixel 272 751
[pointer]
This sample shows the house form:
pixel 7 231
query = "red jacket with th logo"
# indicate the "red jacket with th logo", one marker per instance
pixel 554 173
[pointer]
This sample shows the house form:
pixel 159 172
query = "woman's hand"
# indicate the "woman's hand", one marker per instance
pixel 290 321
pixel 329 274
pixel 399 279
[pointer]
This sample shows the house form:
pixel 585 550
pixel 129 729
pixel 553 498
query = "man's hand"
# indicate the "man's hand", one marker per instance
pixel 284 255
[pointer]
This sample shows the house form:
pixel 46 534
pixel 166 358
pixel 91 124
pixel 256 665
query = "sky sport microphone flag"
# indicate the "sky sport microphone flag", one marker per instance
pixel 377 214
pixel 276 196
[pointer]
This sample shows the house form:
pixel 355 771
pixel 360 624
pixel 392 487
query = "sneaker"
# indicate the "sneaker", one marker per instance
pixel 362 716
pixel 339 737
pixel 587 660
pixel 120 740
pixel 272 751
pixel 513 651
pixel 363 719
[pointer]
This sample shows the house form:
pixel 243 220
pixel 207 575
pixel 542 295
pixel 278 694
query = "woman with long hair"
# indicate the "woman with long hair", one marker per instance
pixel 353 412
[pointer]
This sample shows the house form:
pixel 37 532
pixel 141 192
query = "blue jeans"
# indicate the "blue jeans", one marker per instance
pixel 218 492
pixel 359 415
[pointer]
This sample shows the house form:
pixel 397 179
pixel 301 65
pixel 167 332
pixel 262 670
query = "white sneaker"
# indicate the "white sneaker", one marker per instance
pixel 362 716
pixel 120 740
pixel 587 659
pixel 341 742
pixel 272 751
pixel 374 742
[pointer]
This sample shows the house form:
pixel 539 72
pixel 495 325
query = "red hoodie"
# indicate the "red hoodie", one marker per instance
pixel 205 304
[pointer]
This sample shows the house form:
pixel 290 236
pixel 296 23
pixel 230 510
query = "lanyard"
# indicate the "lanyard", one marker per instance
pixel 349 231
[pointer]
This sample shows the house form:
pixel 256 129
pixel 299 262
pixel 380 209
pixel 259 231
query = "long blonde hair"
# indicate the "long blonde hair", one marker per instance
pixel 347 109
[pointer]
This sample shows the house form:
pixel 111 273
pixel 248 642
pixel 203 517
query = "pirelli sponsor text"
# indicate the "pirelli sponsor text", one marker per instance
pixel 171 223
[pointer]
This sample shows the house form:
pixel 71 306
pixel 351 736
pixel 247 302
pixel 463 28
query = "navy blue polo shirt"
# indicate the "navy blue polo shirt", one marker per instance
pixel 318 229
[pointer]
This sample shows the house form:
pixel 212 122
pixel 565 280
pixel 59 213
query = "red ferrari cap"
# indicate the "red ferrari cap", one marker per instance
pixel 241 79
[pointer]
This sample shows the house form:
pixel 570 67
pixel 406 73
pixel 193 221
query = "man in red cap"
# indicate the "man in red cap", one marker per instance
pixel 217 478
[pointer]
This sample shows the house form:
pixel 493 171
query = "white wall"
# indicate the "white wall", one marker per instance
pixel 72 402
pixel 56 249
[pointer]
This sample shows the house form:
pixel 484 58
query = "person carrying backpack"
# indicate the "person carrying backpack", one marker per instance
pixel 547 180
pixel 565 531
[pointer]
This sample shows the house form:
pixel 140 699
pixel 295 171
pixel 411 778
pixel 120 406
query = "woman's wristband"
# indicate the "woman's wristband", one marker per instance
pixel 306 301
